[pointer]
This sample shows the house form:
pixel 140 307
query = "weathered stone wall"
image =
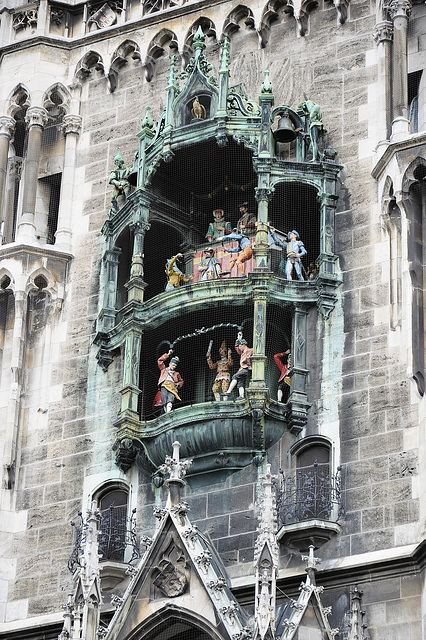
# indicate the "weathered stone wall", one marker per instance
pixel 364 399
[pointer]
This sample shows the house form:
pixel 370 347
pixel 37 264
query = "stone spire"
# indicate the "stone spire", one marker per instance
pixel 82 611
pixel 266 561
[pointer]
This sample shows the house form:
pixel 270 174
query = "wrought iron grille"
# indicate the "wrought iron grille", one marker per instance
pixel 117 533
pixel 313 493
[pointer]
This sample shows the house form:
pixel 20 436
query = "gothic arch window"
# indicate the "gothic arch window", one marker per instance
pixel 169 626
pixel 113 503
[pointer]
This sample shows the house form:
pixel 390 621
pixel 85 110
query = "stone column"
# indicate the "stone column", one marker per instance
pixel 7 126
pixel 383 35
pixel 298 398
pixel 399 11
pixel 35 119
pixel 260 294
pixel 261 246
pixel 63 236
pixel 136 284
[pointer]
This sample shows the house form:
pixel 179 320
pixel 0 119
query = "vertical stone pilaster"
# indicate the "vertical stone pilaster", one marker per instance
pixel 7 126
pixel 383 36
pixel 263 195
pixel 71 128
pixel 297 402
pixel 36 118
pixel 109 277
pixel 145 136
pixel 130 391
pixel 223 79
pixel 260 294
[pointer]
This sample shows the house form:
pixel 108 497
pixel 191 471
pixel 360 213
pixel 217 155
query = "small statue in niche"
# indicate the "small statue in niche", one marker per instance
pixel 219 227
pixel 198 110
pixel 169 382
pixel 223 365
pixel 209 266
pixel 244 251
pixel 247 221
pixel 118 179
pixel 284 379
pixel 295 250
pixel 175 277
pixel 313 111
pixel 242 377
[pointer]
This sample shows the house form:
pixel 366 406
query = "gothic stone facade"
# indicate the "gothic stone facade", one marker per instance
pixel 76 419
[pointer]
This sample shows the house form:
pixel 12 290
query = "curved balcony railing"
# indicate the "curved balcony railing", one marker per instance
pixel 312 494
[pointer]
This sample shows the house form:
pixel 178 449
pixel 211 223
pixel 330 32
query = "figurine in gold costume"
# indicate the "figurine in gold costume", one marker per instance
pixel 175 277
pixel 223 365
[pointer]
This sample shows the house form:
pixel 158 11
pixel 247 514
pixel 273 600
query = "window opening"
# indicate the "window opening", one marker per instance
pixel 413 99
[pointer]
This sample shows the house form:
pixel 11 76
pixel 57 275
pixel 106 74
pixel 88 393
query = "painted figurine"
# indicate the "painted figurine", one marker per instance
pixel 313 271
pixel 209 266
pixel 223 365
pixel 247 221
pixel 219 227
pixel 242 377
pixel 316 127
pixel 295 250
pixel 175 277
pixel 284 367
pixel 198 110
pixel 244 251
pixel 170 380
pixel 118 178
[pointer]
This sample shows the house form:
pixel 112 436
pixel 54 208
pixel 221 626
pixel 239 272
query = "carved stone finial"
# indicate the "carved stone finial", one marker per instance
pixel 176 470
pixel 266 85
pixel 198 43
pixel 310 559
pixel 147 122
pixel 224 57
pixel 171 83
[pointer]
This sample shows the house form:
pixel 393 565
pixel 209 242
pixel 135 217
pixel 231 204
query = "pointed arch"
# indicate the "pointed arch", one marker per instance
pixel 207 27
pixel 120 58
pixel 7 281
pixel 41 279
pixel 163 40
pixel 171 614
pixel 18 100
pixel 269 15
pixel 89 62
pixel 241 13
pixel 57 100
pixel 415 172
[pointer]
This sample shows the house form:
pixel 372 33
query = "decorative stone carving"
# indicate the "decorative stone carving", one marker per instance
pixel 383 32
pixel 400 8
pixel 169 574
pixel 191 534
pixel 24 19
pixel 71 124
pixel 7 126
pixel 36 117
pixel 217 586
pixel 204 560
pixel 181 510
pixel 56 16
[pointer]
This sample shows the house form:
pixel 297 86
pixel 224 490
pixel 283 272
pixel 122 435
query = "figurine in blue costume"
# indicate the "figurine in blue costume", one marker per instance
pixel 295 250
pixel 209 266
pixel 244 250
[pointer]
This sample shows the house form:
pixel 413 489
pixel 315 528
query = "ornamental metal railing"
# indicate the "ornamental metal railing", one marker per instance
pixel 117 539
pixel 312 494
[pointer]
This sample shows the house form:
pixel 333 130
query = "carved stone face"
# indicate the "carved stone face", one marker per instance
pixel 171 580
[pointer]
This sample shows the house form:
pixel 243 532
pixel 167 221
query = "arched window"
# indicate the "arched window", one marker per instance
pixel 115 523
pixel 177 629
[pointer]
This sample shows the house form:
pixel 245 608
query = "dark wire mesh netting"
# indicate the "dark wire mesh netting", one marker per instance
pixel 189 336
pixel 174 629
